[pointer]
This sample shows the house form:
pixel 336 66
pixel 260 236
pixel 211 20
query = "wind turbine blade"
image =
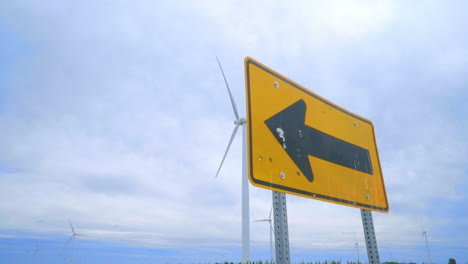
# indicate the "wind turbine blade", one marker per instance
pixel 271 210
pixel 68 241
pixel 227 150
pixel 234 107
pixel 262 220
pixel 73 230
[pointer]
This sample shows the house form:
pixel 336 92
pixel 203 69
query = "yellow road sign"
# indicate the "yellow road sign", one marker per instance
pixel 303 144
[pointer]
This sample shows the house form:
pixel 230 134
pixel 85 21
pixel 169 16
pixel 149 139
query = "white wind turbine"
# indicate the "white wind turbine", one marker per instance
pixel 269 220
pixel 245 185
pixel 424 235
pixel 72 237
pixel 356 244
pixel 37 249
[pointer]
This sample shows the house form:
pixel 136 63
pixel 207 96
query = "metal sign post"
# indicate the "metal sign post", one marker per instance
pixel 369 234
pixel 281 228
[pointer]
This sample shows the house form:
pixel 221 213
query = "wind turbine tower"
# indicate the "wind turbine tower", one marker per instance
pixel 357 251
pixel 269 220
pixel 240 121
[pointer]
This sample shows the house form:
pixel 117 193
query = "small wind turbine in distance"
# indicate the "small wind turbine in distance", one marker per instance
pixel 356 244
pixel 424 235
pixel 37 249
pixel 245 185
pixel 72 237
pixel 269 220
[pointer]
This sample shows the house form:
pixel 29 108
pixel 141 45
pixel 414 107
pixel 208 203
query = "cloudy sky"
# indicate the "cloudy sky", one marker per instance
pixel 114 114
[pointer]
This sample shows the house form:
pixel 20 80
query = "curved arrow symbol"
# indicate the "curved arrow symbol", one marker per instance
pixel 301 141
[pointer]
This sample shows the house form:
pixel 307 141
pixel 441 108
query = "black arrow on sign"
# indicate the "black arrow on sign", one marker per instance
pixel 300 141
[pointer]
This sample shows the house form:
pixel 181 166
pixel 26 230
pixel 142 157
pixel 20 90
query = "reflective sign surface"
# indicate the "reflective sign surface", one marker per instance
pixel 302 144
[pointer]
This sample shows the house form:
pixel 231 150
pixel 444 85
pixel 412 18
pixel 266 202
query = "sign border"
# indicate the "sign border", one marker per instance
pixel 249 61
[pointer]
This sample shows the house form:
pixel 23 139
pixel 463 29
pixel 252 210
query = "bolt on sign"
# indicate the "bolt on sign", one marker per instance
pixel 302 144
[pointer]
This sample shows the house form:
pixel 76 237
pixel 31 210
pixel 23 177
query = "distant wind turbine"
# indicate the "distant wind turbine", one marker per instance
pixel 424 235
pixel 269 220
pixel 356 244
pixel 240 121
pixel 72 237
pixel 37 249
